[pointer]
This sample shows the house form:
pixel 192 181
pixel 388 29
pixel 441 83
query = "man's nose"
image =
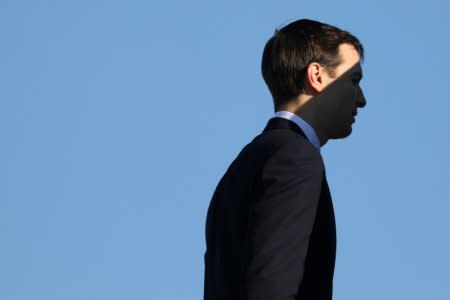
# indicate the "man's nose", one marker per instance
pixel 361 99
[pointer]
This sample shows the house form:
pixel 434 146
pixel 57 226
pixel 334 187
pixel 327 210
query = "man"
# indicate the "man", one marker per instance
pixel 270 228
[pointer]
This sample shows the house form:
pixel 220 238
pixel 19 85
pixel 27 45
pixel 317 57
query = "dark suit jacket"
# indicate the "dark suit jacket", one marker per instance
pixel 270 228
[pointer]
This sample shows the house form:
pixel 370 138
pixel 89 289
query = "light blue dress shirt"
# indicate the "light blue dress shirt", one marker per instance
pixel 305 127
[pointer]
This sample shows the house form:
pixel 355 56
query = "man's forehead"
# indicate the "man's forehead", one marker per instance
pixel 350 59
pixel 349 54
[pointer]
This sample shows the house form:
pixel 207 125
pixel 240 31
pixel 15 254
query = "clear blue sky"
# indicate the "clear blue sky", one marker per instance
pixel 118 118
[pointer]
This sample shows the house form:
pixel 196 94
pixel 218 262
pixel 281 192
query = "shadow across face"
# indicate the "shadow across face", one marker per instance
pixel 334 108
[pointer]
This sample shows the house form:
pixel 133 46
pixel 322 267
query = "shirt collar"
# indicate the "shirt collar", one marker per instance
pixel 305 127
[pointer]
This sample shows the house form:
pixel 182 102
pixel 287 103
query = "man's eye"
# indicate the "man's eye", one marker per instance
pixel 356 80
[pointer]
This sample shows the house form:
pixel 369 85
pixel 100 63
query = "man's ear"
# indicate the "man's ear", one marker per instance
pixel 314 77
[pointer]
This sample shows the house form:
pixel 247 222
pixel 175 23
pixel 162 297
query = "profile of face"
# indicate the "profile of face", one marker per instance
pixel 340 95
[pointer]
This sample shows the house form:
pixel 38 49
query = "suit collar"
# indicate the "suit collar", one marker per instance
pixel 279 123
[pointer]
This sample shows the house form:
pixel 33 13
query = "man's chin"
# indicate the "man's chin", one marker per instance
pixel 342 134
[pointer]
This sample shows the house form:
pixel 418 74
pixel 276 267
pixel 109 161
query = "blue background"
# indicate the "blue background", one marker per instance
pixel 118 118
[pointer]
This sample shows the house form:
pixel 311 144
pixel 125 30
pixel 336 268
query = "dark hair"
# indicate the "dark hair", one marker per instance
pixel 288 53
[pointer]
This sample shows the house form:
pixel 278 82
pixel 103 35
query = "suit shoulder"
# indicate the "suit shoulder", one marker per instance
pixel 287 142
pixel 276 147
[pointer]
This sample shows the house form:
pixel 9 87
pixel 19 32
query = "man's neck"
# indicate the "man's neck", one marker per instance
pixel 307 129
pixel 300 108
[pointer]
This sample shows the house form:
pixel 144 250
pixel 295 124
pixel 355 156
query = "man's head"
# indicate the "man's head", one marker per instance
pixel 315 68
